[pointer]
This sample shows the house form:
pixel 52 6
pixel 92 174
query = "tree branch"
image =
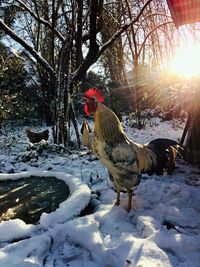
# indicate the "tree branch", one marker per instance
pixel 122 30
pixel 165 23
pixel 32 51
pixel 151 15
pixel 90 60
pixel 46 23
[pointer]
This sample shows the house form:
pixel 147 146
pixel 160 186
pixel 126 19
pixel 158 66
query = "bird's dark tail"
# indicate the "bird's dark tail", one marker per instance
pixel 166 151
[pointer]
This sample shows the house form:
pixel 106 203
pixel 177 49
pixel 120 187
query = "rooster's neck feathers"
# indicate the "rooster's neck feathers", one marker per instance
pixel 107 126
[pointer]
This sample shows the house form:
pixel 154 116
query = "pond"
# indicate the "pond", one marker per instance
pixel 27 198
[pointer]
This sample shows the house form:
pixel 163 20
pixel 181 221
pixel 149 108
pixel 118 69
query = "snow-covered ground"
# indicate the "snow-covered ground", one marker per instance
pixel 162 229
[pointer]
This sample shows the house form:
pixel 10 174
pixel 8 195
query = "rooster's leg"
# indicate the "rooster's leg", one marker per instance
pixel 118 189
pixel 129 200
pixel 118 198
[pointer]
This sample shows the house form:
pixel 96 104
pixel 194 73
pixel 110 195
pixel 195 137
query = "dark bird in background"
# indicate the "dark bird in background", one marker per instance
pixel 36 137
pixel 125 159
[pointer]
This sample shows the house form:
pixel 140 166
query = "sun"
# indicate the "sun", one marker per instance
pixel 186 61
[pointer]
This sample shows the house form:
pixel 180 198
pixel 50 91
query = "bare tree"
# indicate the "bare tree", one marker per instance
pixel 63 37
pixel 142 44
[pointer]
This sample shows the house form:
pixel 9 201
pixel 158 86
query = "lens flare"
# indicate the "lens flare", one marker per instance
pixel 186 61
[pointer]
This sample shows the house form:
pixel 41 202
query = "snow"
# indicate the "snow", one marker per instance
pixel 162 229
pixel 14 229
pixel 78 200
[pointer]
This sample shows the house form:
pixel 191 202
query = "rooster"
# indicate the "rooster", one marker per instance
pixel 125 159
pixel 37 137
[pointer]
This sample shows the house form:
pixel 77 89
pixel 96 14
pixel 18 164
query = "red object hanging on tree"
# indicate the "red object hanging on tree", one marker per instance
pixel 184 11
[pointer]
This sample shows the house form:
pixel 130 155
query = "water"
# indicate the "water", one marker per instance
pixel 28 198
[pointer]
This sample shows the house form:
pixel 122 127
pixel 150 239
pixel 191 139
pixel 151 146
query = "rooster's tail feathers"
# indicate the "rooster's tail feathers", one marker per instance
pixel 166 151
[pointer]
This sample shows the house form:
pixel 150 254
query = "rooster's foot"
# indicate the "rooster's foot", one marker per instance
pixel 117 203
pixel 129 200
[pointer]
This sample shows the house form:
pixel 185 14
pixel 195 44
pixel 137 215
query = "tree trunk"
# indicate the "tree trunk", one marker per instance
pixel 193 136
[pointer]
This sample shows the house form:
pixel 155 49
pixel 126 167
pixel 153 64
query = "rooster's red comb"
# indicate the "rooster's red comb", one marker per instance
pixel 95 92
